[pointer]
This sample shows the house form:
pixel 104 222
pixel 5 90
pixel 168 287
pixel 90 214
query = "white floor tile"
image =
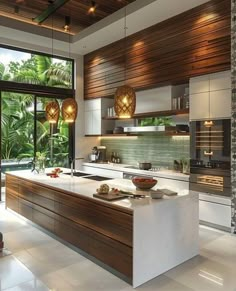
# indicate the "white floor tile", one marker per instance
pixel 39 262
pixel 13 273
pixel 34 285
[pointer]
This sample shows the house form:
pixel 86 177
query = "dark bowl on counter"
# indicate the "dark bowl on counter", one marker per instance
pixel 143 183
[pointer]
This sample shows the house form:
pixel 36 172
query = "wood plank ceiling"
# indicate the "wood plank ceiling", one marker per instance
pixel 77 10
pixel 193 43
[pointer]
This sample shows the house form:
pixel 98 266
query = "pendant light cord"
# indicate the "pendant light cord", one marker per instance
pixel 52 36
pixel 125 28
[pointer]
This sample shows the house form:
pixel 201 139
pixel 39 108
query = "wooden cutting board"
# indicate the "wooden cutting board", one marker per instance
pixel 110 196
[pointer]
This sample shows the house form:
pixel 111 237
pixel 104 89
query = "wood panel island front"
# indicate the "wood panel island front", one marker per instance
pixel 137 238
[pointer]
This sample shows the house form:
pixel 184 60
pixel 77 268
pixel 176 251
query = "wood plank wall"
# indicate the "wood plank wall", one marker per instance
pixel 193 43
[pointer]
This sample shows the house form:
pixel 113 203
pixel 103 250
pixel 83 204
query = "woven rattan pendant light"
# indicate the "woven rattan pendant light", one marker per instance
pixel 69 110
pixel 125 97
pixel 52 112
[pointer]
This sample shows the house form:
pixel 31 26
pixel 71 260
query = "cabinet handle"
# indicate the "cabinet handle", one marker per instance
pixel 206 153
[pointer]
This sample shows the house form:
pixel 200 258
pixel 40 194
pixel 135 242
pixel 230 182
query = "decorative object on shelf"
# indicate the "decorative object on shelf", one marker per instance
pixel 52 111
pixel 125 97
pixel 69 110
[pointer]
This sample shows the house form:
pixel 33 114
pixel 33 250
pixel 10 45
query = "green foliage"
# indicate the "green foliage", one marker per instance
pixel 156 121
pixel 17 123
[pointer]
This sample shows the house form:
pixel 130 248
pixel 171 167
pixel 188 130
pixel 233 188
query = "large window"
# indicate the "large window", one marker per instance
pixel 28 81
pixel 25 132
pixel 31 68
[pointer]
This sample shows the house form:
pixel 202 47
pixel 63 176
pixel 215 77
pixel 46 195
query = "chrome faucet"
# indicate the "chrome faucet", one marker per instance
pixel 71 165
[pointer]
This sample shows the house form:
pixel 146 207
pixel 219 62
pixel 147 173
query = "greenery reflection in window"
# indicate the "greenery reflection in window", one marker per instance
pixel 17 132
pixel 35 69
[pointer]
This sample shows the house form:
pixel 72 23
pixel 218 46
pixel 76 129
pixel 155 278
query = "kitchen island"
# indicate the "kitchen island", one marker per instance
pixel 137 238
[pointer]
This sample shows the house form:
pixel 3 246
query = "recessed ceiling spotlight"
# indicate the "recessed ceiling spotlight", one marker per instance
pixel 92 8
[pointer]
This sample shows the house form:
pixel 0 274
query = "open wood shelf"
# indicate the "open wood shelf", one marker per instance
pixel 151 114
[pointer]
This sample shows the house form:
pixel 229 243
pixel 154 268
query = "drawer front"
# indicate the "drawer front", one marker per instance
pixel 43 218
pixel 215 213
pixel 12 183
pixel 26 209
pixel 115 254
pixel 12 201
pixel 107 221
pixel 37 194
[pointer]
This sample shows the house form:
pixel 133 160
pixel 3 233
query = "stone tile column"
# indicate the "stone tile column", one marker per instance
pixel 233 120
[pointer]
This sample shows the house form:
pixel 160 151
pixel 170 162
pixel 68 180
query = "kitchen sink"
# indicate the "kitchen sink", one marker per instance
pixel 78 174
pixel 98 178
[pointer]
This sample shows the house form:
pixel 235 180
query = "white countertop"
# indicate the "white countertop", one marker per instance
pixel 87 187
pixel 168 174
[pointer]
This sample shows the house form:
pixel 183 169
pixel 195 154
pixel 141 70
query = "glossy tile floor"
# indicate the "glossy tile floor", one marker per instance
pixel 39 262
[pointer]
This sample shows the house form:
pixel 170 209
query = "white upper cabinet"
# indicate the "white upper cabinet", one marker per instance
pixel 220 81
pixel 199 106
pixel 157 99
pixel 210 96
pixel 220 104
pixel 199 84
pixel 94 110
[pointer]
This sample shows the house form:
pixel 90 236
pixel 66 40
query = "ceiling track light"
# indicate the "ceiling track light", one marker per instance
pixel 92 8
pixel 16 9
pixel 66 27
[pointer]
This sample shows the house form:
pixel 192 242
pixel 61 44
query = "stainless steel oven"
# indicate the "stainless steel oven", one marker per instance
pixel 210 157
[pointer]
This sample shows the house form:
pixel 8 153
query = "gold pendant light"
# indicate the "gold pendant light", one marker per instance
pixel 125 97
pixel 125 102
pixel 52 112
pixel 69 110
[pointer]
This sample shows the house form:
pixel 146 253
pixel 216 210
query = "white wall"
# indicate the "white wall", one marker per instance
pixel 83 145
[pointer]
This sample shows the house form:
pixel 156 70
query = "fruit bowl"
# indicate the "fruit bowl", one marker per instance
pixel 144 183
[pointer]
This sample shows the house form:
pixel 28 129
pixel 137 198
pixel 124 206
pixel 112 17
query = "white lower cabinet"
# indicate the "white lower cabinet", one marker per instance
pixel 214 210
pixel 103 172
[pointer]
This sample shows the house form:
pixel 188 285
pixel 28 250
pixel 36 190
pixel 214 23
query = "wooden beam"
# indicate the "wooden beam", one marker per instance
pixel 52 8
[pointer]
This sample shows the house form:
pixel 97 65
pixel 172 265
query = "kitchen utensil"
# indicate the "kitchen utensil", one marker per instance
pixel 118 129
pixel 168 192
pixel 144 183
pixel 144 165
pixel 110 197
pixel 132 195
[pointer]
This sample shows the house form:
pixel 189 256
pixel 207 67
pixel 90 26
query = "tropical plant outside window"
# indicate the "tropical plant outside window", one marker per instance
pixel 35 69
pixel 18 112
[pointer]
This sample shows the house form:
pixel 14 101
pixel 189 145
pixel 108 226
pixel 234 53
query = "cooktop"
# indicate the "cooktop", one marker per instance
pixel 78 174
pixel 97 178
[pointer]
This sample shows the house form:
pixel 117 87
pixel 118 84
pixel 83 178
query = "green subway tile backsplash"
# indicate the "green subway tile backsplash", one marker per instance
pixel 159 150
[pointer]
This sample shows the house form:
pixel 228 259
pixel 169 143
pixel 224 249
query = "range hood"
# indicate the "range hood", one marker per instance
pixel 159 128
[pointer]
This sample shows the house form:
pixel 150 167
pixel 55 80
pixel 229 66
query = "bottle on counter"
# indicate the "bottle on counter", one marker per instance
pixel 118 159
pixel 112 157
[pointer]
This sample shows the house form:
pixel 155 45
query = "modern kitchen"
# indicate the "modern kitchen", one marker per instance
pixel 141 190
